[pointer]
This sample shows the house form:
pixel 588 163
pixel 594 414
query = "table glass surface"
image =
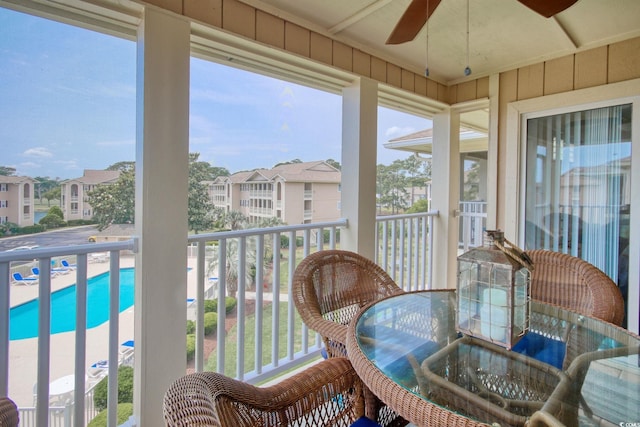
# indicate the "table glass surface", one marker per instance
pixel 411 339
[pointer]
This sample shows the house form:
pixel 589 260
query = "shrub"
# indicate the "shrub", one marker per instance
pixel 30 229
pixel 210 322
pixel 191 327
pixel 211 305
pixel 326 236
pixel 52 221
pixel 75 222
pixel 125 410
pixel 125 388
pixel 191 347
pixel 55 210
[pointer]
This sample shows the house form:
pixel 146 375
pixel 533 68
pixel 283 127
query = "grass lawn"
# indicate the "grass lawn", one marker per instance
pixel 231 349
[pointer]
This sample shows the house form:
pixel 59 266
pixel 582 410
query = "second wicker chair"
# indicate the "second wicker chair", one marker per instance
pixel 329 288
pixel 575 284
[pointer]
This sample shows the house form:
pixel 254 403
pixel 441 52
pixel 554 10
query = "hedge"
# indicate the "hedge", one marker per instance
pixel 125 388
pixel 125 410
pixel 211 305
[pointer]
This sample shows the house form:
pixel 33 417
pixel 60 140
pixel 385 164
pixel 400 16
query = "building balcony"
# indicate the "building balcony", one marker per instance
pixel 263 309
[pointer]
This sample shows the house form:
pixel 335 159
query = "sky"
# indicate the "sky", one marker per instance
pixel 68 100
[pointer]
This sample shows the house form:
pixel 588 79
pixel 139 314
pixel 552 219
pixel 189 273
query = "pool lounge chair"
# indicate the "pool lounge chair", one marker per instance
pixel 126 353
pixel 54 272
pixel 65 264
pixel 98 370
pixel 19 280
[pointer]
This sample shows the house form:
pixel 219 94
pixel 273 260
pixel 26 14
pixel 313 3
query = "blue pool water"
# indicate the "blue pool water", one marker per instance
pixel 24 318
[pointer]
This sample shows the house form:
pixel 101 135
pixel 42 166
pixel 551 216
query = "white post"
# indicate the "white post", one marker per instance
pixel 359 157
pixel 162 149
pixel 445 178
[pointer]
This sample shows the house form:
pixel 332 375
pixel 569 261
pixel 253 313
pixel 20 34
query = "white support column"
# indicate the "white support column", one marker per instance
pixel 492 154
pixel 162 149
pixel 445 176
pixel 359 158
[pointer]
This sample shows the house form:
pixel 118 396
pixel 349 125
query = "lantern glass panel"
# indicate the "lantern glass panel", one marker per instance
pixel 493 300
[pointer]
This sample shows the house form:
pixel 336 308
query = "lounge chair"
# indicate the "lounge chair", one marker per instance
pixel 19 280
pixel 126 353
pixel 65 264
pixel 36 272
pixel 98 370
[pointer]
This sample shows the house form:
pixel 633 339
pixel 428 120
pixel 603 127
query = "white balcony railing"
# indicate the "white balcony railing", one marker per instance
pixel 265 316
pixel 403 248
pixel 473 220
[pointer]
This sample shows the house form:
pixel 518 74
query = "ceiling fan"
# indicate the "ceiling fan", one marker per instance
pixel 419 11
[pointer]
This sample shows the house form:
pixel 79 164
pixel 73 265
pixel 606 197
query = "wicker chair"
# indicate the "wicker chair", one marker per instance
pixel 9 416
pixel 326 394
pixel 329 288
pixel 575 284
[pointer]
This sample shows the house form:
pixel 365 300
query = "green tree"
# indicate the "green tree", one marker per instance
pixel 232 271
pixel 421 205
pixel 204 171
pixel 53 194
pixel 471 183
pixel 114 203
pixel 7 171
pixel 391 184
pixel 124 166
pixel 44 185
pixel 334 163
pixel 288 163
pixel 234 220
pixel 200 210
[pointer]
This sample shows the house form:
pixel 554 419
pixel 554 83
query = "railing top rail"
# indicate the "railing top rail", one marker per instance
pixel 56 251
pixel 267 230
pixel 404 216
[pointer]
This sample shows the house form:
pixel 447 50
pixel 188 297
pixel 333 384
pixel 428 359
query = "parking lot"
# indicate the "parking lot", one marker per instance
pixel 63 237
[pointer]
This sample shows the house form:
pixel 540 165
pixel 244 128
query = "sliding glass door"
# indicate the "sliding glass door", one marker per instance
pixel 578 186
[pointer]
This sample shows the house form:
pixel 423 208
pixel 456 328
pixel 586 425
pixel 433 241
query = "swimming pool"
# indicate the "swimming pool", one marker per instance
pixel 24 318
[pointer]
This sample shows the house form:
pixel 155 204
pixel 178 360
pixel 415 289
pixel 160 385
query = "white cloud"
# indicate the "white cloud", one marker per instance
pixel 38 152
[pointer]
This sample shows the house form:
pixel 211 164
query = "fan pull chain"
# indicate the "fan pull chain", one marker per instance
pixel 467 70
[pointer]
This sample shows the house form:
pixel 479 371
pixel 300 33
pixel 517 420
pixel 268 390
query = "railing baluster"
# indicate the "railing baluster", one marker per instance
pixel 258 308
pixel 242 286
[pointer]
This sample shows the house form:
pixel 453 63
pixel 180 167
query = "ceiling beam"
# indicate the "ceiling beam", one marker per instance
pixel 570 36
pixel 359 15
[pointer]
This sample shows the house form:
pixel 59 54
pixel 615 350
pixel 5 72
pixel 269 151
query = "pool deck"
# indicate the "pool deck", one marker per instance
pixel 23 353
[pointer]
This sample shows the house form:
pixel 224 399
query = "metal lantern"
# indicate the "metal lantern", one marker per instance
pixel 493 291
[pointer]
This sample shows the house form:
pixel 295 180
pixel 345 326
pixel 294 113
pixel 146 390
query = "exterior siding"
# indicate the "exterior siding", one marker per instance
pixel 17 202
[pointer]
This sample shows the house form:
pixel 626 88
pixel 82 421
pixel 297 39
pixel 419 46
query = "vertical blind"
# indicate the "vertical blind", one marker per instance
pixel 578 185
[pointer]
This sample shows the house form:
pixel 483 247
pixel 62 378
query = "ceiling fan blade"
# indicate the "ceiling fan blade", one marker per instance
pixel 412 21
pixel 548 8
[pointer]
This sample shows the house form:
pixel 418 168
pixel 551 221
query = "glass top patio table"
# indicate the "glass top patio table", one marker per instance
pixel 583 372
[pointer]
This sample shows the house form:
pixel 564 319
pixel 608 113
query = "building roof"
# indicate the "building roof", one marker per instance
pixel 316 171
pixel 15 179
pixel 92 176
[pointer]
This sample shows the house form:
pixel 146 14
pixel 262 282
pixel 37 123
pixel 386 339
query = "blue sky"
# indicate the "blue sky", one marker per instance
pixel 68 104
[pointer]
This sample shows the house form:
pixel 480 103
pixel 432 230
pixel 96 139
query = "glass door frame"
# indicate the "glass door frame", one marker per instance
pixel 515 156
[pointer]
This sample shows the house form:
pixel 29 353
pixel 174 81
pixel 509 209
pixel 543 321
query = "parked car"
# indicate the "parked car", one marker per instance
pixel 22 248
